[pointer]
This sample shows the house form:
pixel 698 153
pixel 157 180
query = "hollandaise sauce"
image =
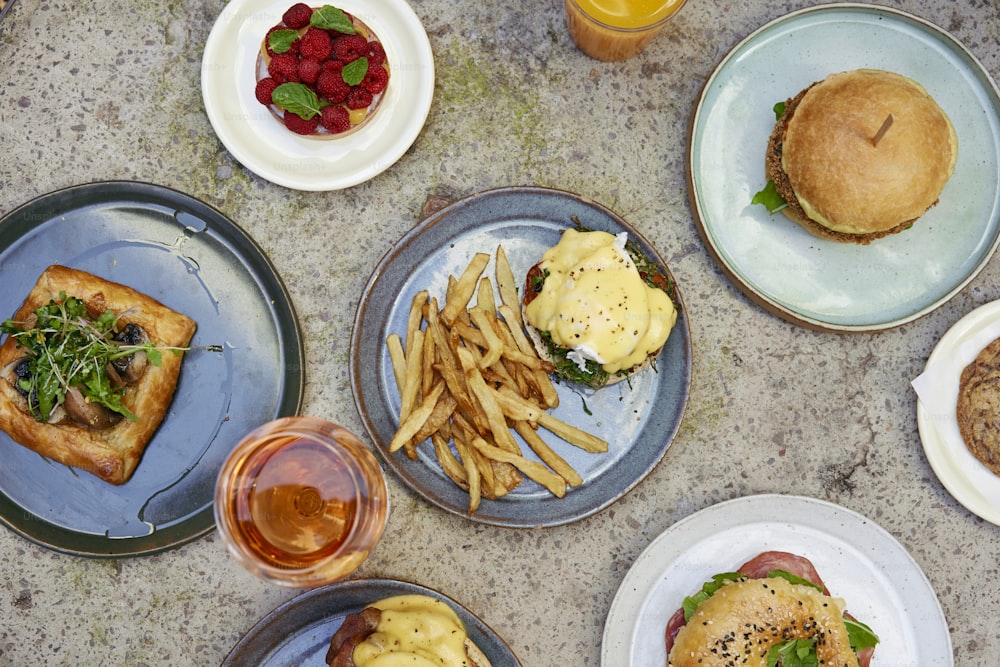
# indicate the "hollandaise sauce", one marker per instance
pixel 595 302
pixel 415 631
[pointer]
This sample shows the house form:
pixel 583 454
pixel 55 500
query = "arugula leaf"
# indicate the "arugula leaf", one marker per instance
pixel 794 653
pixel 860 635
pixel 329 17
pixel 354 72
pixel 793 579
pixel 280 41
pixel 707 590
pixel 768 197
pixel 296 98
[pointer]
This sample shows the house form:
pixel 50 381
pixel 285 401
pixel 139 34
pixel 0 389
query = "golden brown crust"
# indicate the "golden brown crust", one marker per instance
pixel 743 619
pixel 111 454
pixel 844 181
pixel 978 409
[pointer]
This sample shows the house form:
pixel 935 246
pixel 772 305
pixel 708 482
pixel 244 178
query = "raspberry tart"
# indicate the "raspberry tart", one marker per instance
pixel 321 71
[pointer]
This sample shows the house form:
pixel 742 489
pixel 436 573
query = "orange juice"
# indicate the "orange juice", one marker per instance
pixel 617 29
pixel 301 502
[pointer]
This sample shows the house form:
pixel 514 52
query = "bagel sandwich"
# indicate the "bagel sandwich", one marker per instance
pixel 412 630
pixel 772 608
pixel 597 308
pixel 858 156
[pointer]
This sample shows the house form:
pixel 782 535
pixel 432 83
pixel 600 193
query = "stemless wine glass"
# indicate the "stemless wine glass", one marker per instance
pixel 301 502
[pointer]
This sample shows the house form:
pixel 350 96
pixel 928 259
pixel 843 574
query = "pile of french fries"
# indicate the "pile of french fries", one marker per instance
pixel 469 378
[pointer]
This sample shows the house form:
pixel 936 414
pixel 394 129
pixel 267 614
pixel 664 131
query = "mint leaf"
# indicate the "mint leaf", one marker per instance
pixel 280 41
pixel 354 72
pixel 329 17
pixel 707 590
pixel 779 110
pixel 860 635
pixel 768 197
pixel 296 98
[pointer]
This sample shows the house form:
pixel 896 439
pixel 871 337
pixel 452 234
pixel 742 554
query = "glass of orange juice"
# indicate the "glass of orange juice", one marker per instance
pixel 617 29
pixel 301 502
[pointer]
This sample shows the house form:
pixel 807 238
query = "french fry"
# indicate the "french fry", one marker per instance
pixel 409 426
pixel 494 344
pixel 547 454
pixel 397 357
pixel 536 471
pixel 518 409
pixel 507 286
pixel 464 288
pixel 450 464
pixel 413 376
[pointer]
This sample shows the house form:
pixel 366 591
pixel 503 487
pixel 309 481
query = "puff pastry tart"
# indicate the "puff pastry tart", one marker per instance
pixel 89 368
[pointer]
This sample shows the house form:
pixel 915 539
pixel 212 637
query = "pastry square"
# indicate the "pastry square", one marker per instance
pixel 111 452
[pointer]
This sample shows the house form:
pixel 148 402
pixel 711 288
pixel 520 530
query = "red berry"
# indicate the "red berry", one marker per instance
pixel 333 65
pixel 297 16
pixel 264 89
pixel 299 125
pixel 349 48
pixel 315 44
pixel 332 86
pixel 359 98
pixel 376 79
pixel 309 70
pixel 336 119
pixel 375 53
pixel 284 67
pixel 293 48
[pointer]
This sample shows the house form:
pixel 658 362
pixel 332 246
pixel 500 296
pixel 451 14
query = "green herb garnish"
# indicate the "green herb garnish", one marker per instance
pixel 794 653
pixel 280 41
pixel 329 17
pixel 354 72
pixel 66 348
pixel 769 198
pixel 708 589
pixel 779 110
pixel 298 99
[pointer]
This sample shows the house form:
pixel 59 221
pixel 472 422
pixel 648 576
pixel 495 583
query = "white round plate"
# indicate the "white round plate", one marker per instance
pixel 824 284
pixel 261 143
pixel 969 481
pixel 859 562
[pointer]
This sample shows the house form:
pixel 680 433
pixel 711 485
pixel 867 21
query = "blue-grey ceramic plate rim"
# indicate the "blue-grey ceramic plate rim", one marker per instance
pixel 639 418
pixel 297 633
pixel 191 257
pixel 822 284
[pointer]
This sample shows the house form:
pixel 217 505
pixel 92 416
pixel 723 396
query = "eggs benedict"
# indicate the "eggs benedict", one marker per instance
pixel 404 630
pixel 597 308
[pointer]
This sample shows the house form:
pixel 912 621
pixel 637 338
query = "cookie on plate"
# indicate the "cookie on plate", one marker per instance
pixel 978 409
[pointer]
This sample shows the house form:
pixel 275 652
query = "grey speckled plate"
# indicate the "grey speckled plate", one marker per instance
pixel 638 421
pixel 298 632
pixel 190 257
pixel 824 284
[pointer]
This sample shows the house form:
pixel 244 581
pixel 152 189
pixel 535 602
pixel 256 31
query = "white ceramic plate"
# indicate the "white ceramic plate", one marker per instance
pixel 825 284
pixel 859 562
pixel 266 147
pixel 968 480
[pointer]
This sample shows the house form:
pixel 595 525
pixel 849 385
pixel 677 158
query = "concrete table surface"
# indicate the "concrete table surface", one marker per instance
pixel 96 90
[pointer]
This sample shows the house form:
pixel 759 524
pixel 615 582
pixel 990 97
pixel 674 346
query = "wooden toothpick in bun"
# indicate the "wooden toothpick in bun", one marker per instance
pixel 860 155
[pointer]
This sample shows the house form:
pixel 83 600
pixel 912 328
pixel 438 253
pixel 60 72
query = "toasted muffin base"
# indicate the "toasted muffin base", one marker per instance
pixel 978 408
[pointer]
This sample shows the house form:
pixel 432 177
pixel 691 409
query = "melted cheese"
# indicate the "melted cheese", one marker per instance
pixel 414 631
pixel 595 302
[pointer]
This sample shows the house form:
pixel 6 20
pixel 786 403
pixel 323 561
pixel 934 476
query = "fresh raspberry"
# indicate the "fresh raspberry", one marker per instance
pixel 376 79
pixel 264 89
pixel 336 119
pixel 299 125
pixel 375 53
pixel 297 16
pixel 349 48
pixel 284 67
pixel 332 86
pixel 315 44
pixel 309 70
pixel 333 65
pixel 359 98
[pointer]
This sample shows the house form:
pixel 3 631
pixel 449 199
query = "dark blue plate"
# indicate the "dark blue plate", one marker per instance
pixel 638 418
pixel 190 257
pixel 298 632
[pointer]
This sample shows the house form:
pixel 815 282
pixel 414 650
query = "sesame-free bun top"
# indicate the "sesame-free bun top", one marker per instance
pixel 846 181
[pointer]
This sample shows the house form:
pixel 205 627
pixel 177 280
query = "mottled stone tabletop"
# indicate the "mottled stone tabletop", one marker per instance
pixel 96 91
